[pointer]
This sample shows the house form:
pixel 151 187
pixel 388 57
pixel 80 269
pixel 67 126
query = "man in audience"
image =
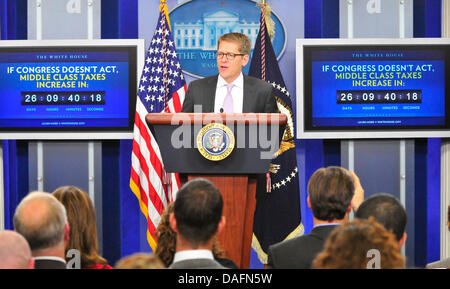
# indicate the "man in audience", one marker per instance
pixel 196 219
pixel 332 192
pixel 388 211
pixel 42 220
pixel 15 252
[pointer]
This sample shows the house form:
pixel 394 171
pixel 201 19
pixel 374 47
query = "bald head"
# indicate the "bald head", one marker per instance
pixel 15 252
pixel 41 219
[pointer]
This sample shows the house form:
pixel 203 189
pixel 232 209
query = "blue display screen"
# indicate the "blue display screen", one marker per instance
pixel 67 88
pixel 376 87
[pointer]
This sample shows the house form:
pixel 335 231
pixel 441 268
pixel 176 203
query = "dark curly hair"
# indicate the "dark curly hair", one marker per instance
pixel 349 245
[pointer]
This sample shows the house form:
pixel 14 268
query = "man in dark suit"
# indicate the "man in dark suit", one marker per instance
pixel 42 220
pixel 230 90
pixel 196 219
pixel 332 192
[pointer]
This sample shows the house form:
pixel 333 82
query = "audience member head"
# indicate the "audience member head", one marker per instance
pixel 388 211
pixel 82 221
pixel 15 253
pixel 42 220
pixel 140 261
pixel 358 245
pixel 330 192
pixel 197 215
pixel 167 239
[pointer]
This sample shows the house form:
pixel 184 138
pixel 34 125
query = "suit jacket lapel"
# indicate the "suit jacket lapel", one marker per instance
pixel 248 104
pixel 210 94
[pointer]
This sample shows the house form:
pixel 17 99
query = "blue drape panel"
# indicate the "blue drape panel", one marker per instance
pixel 427 23
pixel 321 21
pixel 121 232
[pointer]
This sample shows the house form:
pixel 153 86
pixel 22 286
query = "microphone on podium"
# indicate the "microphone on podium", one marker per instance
pixel 221 110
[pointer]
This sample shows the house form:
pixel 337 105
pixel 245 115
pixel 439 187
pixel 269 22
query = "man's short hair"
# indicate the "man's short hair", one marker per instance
pixel 387 210
pixel 243 41
pixel 198 210
pixel 49 229
pixel 330 191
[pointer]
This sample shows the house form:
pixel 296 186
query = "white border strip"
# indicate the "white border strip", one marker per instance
pixel 402 180
pixel 38 19
pixel 40 165
pixel 90 19
pixel 350 19
pixel 401 19
pixel 91 171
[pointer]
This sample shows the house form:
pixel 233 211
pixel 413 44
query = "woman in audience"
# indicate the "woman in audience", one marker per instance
pixel 165 248
pixel 360 244
pixel 83 227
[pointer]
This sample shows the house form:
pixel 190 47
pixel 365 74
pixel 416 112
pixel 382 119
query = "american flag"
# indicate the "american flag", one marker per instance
pixel 277 214
pixel 161 89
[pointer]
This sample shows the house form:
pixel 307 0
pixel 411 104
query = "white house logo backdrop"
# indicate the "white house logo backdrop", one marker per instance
pixel 198 24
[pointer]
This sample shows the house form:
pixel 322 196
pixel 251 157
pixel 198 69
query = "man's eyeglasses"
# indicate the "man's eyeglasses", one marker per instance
pixel 230 56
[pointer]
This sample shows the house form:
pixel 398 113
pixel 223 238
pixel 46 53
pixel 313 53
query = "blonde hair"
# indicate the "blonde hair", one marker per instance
pixel 239 38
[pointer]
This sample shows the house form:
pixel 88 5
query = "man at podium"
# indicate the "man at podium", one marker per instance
pixel 231 91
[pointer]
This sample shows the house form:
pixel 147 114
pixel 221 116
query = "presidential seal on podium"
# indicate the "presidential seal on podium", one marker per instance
pixel 215 141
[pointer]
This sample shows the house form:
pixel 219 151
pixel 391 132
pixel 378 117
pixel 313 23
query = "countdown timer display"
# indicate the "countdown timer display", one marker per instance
pixel 375 87
pixel 71 87
pixel 62 98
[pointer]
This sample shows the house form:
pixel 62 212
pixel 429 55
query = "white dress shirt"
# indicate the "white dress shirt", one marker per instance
pixel 237 92
pixel 192 254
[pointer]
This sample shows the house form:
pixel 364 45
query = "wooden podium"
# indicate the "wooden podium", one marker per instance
pixel 234 176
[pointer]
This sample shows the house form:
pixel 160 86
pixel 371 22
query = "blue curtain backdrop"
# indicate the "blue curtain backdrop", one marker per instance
pixel 121 232
pixel 15 155
pixel 427 23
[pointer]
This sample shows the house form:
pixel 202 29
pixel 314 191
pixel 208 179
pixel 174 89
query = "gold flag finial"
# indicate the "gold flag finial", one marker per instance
pixel 163 7
pixel 270 24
